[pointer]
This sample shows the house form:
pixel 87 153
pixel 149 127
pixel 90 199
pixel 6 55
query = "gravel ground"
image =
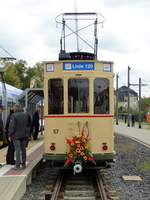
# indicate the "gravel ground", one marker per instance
pixel 42 184
pixel 132 158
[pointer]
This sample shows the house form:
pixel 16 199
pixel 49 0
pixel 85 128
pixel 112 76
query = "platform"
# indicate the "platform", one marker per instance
pixel 13 182
pixel 142 134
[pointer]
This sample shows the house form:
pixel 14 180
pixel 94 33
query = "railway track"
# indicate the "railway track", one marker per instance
pixel 88 185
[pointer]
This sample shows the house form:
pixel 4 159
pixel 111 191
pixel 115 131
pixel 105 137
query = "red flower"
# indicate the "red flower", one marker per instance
pixel 72 143
pixel 68 162
pixel 69 141
pixel 90 158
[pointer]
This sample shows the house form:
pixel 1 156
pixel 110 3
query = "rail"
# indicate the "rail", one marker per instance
pixel 100 194
pixel 58 185
pixel 100 186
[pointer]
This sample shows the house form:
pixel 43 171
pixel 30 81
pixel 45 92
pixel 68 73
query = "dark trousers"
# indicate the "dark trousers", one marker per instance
pixel 10 153
pixel 36 131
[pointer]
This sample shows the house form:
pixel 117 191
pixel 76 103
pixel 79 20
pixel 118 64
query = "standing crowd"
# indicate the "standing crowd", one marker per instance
pixel 19 129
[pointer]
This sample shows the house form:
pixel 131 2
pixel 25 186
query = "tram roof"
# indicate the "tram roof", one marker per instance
pixel 59 61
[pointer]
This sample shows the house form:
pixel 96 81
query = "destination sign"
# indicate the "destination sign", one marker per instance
pixel 81 66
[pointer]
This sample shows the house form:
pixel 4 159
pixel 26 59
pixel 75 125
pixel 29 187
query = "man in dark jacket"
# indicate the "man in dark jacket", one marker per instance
pixel 18 133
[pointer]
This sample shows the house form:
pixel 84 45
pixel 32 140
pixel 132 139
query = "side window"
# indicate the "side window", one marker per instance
pixel 78 95
pixel 101 96
pixel 55 96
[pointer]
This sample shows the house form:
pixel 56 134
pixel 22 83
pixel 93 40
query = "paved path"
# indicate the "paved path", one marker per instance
pixel 134 132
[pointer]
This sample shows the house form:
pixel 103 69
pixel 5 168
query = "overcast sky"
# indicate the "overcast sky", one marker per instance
pixel 28 31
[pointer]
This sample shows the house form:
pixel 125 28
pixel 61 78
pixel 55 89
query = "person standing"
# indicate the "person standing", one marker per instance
pixel 125 118
pixel 18 133
pixel 11 148
pixel 1 126
pixel 35 124
pixel 29 128
pixel 133 119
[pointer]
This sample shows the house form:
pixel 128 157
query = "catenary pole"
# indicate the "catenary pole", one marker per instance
pixel 128 121
pixel 139 102
pixel 117 77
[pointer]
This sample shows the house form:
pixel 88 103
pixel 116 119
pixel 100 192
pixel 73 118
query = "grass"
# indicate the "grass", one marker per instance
pixel 143 167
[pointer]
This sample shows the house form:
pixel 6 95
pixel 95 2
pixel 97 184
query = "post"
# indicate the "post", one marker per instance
pixel 64 35
pixel 42 125
pixel 4 97
pixel 128 124
pixel 96 39
pixel 139 102
pixel 26 99
pixel 117 99
pixel 76 25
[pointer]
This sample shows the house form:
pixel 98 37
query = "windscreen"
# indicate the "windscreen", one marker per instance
pixel 55 96
pixel 78 95
pixel 101 96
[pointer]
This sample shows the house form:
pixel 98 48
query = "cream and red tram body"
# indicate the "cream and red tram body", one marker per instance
pixel 79 100
pixel 78 110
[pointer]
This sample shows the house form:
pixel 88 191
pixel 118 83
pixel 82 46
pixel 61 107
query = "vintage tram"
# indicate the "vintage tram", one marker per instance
pixel 79 110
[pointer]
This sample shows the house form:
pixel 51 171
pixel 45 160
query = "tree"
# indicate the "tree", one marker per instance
pixel 11 75
pixel 39 73
pixel 21 68
pixel 19 75
pixel 145 103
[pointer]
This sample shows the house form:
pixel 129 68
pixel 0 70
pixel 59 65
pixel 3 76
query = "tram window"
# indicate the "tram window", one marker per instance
pixel 55 96
pixel 101 96
pixel 78 95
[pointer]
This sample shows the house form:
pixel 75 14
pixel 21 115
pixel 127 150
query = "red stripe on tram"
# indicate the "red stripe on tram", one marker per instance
pixel 79 116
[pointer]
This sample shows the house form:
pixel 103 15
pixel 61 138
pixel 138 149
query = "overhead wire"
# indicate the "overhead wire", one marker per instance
pixel 7 53
pixel 145 83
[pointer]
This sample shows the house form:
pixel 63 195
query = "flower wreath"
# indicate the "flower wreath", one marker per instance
pixel 78 149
